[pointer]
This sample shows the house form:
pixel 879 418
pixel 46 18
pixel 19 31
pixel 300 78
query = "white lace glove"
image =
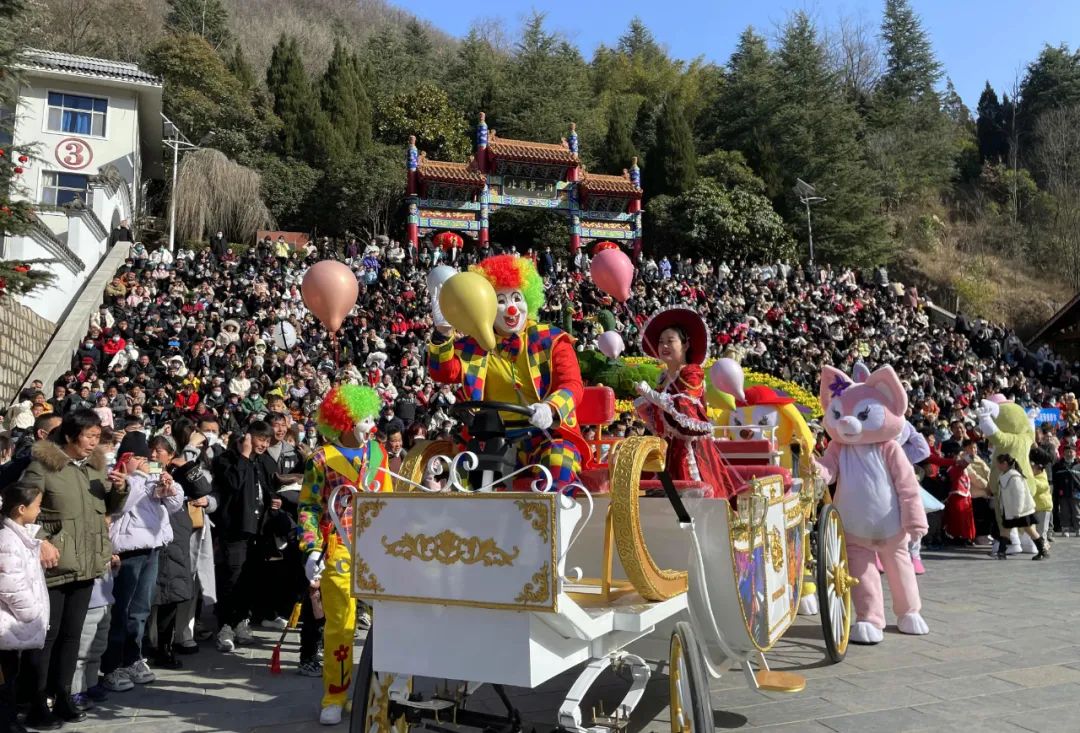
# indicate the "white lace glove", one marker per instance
pixel 313 567
pixel 542 416
pixel 644 389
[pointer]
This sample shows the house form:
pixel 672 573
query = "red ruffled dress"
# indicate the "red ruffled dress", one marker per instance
pixel 678 414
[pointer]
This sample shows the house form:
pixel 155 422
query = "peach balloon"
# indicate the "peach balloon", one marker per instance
pixel 330 291
pixel 612 271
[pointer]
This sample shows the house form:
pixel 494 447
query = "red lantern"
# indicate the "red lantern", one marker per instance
pixel 18 170
pixel 23 159
pixel 22 268
pixel 449 240
pixel 601 246
pixel 1 152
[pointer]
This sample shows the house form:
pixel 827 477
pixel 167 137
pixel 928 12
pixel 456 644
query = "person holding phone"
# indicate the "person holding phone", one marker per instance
pixel 138 532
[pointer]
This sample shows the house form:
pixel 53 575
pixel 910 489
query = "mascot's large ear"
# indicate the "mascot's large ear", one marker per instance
pixel 884 380
pixel 833 384
pixel 860 372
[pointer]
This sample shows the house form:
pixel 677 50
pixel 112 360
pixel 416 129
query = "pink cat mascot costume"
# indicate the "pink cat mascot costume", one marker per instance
pixel 877 495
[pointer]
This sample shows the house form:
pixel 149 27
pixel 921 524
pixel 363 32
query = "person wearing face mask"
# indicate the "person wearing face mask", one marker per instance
pixel 533 365
pixel 353 458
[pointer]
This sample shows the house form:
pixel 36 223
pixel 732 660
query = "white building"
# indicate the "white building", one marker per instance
pixel 96 130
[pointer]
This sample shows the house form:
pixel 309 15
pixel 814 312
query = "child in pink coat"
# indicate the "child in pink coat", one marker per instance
pixel 877 495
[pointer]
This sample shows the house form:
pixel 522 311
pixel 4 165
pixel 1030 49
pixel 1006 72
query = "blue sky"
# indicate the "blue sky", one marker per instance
pixel 975 40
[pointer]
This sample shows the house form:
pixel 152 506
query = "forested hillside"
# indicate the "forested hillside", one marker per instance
pixel 320 96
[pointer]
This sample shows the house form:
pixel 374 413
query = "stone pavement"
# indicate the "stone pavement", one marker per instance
pixel 1003 655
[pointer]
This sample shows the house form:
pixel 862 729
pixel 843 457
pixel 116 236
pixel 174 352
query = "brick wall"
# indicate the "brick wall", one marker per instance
pixel 23 336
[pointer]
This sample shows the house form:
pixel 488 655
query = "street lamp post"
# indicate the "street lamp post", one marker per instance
pixel 176 140
pixel 808 195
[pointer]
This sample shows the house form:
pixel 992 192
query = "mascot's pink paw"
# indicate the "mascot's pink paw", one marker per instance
pixel 864 632
pixel 878 565
pixel 912 623
pixel 808 606
pixel 916 562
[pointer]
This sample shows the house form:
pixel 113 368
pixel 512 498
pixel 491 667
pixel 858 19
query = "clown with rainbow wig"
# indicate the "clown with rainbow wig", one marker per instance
pixel 353 459
pixel 533 365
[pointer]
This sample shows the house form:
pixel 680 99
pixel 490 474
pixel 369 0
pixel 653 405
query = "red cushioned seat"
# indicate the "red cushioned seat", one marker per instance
pixel 596 480
pixel 654 485
pixel 747 452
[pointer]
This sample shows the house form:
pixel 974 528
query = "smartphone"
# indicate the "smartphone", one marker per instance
pixel 122 460
pixel 153 468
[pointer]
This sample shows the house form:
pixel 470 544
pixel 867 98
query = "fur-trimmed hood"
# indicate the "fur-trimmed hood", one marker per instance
pixel 53 457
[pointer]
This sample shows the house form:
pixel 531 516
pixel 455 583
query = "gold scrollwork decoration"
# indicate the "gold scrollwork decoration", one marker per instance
pixel 365 579
pixel 538 589
pixel 450 548
pixel 775 548
pixel 365 511
pixel 539 513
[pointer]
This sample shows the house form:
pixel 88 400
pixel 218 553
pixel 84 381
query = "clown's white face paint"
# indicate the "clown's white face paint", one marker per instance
pixel 364 430
pixel 512 312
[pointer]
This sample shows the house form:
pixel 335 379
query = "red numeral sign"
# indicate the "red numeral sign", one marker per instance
pixel 73 153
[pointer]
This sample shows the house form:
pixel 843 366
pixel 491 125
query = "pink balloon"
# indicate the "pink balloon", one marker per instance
pixel 610 344
pixel 612 271
pixel 727 376
pixel 330 291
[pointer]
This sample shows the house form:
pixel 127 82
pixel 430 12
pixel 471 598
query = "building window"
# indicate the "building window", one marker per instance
pixel 77 114
pixel 62 188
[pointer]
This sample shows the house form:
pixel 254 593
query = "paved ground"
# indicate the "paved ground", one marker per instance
pixel 1003 655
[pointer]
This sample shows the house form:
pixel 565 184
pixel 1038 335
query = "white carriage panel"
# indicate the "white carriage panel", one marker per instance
pixel 776 571
pixel 472 644
pixel 481 550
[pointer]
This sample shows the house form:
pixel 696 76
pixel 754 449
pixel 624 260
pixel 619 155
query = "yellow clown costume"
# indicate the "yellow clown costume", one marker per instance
pixel 352 462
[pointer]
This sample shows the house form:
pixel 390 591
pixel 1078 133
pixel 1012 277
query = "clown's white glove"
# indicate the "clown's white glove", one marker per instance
pixel 542 416
pixel 313 567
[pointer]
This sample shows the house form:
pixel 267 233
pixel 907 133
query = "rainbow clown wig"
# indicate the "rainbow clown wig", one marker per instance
pixel 517 273
pixel 343 407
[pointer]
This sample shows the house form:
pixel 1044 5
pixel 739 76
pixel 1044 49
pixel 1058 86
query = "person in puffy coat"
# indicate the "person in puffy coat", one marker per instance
pixel 138 532
pixel 1016 506
pixel 24 599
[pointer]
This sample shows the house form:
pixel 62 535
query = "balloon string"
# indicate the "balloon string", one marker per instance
pixel 634 321
pixel 337 349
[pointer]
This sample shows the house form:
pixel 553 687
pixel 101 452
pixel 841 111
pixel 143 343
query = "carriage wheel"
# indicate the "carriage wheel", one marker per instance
pixel 833 583
pixel 371 697
pixel 688 684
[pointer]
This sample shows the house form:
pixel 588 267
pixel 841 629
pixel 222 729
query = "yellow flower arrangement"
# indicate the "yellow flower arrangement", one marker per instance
pixel 801 396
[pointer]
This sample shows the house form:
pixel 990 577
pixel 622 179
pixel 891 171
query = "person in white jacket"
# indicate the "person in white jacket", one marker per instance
pixel 1017 506
pixel 24 599
pixel 138 532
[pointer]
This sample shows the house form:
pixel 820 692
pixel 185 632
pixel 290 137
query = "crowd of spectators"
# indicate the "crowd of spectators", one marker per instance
pixel 201 372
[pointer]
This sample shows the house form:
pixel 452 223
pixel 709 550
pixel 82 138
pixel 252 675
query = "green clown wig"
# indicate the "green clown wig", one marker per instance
pixel 517 273
pixel 343 407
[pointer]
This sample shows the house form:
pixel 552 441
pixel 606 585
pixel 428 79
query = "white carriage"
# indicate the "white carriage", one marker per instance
pixel 502 587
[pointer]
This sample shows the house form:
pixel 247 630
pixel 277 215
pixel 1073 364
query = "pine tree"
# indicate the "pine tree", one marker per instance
pixel 817 134
pixel 911 70
pixel 990 127
pixel 305 131
pixel 672 161
pixel 206 18
pixel 619 147
pixel 238 65
pixel 344 102
pixel 1052 80
pixel 18 277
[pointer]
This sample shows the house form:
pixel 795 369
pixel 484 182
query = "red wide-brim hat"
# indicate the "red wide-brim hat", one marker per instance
pixel 762 395
pixel 696 332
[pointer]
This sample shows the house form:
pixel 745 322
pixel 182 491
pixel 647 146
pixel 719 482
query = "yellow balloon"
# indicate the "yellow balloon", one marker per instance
pixel 468 303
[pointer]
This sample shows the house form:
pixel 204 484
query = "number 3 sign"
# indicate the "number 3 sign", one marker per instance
pixel 73 153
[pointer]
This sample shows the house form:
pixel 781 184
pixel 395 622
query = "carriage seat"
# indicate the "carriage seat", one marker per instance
pixel 755 452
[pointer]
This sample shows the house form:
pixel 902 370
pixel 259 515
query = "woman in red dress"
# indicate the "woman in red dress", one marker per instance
pixel 676 409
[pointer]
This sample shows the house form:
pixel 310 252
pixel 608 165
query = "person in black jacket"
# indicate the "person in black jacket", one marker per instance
pixel 244 483
pixel 1067 490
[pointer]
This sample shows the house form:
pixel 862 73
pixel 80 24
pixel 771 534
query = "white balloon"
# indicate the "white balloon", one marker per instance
pixel 435 279
pixel 284 335
pixel 610 344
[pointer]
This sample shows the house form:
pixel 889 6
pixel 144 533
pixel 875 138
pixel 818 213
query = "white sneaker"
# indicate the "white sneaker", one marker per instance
pixel 243 633
pixel 330 715
pixel 277 624
pixel 226 639
pixel 117 681
pixel 140 673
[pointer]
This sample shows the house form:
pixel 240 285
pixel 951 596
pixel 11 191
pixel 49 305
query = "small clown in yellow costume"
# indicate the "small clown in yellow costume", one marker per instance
pixel 353 459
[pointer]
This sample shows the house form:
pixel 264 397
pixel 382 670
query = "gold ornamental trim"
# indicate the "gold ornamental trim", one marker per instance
pixel 538 513
pixel 776 549
pixel 538 589
pixel 417 460
pixel 450 548
pixel 365 579
pixel 365 511
pixel 653 583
